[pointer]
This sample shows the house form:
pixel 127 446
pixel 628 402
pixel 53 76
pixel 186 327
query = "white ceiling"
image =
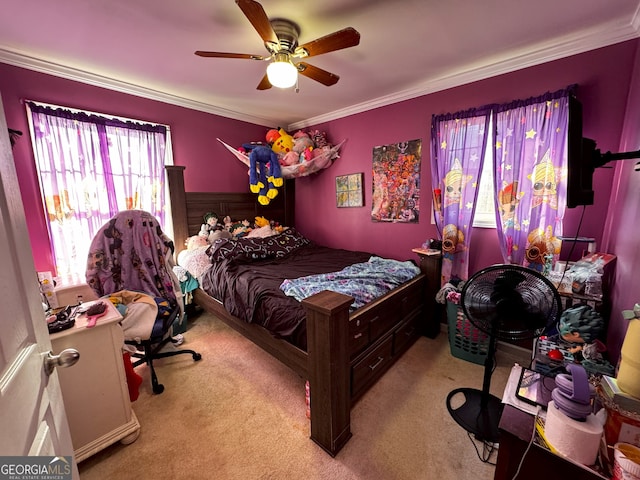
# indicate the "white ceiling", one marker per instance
pixel 408 48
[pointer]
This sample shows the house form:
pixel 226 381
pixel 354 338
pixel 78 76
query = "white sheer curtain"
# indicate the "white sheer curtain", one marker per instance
pixel 90 167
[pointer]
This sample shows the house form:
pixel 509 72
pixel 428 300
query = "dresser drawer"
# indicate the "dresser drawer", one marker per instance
pixel 382 318
pixel 405 335
pixel 367 370
pixel 358 335
pixel 412 300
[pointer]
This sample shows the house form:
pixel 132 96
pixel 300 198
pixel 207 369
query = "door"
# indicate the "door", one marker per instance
pixel 31 409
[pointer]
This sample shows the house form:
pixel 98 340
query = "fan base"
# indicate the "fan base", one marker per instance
pixel 473 417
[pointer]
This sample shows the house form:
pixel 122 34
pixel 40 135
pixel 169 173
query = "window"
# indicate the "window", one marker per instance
pixel 485 215
pixel 90 167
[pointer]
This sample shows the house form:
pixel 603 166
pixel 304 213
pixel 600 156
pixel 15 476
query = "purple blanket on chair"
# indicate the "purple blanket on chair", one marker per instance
pixel 130 252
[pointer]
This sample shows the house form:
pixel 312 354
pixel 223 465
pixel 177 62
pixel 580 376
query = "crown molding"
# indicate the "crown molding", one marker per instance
pixel 557 48
pixel 42 66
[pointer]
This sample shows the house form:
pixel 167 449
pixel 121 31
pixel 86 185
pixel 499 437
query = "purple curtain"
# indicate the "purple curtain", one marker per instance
pixel 530 169
pixel 90 168
pixel 458 144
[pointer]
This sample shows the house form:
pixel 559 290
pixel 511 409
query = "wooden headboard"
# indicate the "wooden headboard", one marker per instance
pixel 189 208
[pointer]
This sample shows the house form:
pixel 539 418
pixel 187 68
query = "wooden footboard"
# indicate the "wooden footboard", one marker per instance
pixel 346 353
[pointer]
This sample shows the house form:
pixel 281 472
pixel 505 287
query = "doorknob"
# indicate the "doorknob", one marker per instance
pixel 67 358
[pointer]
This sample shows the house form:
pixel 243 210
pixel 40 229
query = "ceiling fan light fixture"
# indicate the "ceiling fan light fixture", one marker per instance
pixel 281 72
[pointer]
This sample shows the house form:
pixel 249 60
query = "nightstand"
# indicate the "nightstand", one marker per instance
pixel 431 266
pixel 94 390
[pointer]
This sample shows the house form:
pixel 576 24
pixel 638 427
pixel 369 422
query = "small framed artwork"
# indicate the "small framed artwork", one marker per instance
pixel 349 191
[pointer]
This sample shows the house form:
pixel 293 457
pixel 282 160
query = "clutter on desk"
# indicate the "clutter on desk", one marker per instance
pixel 61 319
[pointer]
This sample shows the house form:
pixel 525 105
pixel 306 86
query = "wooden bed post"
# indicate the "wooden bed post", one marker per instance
pixel 328 368
pixel 175 179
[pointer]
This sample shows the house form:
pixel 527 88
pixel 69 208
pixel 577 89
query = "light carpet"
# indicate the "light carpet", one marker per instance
pixel 240 414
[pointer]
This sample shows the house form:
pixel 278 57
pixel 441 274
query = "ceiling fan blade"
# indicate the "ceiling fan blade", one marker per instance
pixel 264 83
pixel 258 18
pixel 317 74
pixel 348 37
pixel 246 56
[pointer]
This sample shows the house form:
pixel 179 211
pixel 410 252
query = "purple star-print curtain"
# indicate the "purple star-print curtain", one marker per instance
pixel 530 169
pixel 458 144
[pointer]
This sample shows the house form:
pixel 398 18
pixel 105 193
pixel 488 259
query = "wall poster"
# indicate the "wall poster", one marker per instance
pixel 396 182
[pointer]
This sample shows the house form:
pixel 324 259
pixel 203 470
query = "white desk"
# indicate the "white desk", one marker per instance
pixel 95 392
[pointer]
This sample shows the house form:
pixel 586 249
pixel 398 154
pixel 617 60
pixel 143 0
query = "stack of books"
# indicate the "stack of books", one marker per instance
pixel 612 391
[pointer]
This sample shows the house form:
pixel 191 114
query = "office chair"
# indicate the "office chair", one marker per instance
pixel 130 262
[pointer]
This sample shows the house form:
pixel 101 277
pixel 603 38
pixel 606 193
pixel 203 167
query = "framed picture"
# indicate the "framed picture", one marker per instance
pixel 349 191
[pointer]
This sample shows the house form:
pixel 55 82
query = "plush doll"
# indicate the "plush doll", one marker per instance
pixel 240 229
pixel 281 142
pixel 262 160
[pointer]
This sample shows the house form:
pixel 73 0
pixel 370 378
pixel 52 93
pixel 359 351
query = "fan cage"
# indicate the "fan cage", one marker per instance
pixel 537 293
pixel 466 340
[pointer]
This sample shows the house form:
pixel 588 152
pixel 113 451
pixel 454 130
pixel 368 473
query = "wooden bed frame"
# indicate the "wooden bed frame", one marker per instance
pixel 346 353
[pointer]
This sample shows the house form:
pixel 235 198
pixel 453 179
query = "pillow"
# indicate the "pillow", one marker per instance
pixel 258 247
pixel 195 261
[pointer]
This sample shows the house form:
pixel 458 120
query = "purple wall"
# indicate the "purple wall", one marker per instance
pixel 604 78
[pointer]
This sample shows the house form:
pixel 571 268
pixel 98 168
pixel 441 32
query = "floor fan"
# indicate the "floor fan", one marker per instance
pixel 507 302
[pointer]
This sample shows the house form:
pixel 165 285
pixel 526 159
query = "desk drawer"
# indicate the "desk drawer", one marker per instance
pixel 366 371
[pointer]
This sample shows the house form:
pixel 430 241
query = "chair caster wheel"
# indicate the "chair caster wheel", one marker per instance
pixel 158 389
pixel 197 356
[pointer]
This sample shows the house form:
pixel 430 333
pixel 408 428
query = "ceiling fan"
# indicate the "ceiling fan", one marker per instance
pixel 280 37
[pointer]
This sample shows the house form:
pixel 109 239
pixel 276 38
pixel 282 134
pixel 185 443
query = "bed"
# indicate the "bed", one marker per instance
pixel 346 352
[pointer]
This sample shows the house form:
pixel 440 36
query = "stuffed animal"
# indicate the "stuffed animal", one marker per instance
pixel 240 229
pixel 261 222
pixel 289 159
pixel 210 225
pixel 196 241
pixel 215 235
pixel 281 142
pixel 319 138
pixel 302 141
pixel 262 160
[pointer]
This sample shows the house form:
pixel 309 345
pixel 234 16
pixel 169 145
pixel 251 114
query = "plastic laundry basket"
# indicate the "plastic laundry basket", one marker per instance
pixel 466 341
